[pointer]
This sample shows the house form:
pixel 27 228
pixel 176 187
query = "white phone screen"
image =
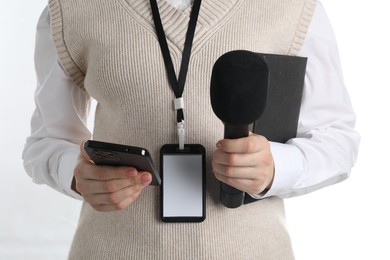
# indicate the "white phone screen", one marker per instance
pixel 182 185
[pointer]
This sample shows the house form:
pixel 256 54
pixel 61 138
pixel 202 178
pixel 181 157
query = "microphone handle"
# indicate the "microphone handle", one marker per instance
pixel 236 131
pixel 229 196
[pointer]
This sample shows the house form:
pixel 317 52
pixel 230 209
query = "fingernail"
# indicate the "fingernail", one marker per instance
pixel 219 145
pixel 145 180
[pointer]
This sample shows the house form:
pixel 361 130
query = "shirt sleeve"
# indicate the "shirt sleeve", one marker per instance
pixel 57 128
pixel 326 145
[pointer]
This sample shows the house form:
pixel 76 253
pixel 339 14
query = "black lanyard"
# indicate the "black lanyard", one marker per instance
pixel 177 85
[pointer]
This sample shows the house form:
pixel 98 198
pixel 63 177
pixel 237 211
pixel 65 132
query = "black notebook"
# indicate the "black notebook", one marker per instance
pixel 279 121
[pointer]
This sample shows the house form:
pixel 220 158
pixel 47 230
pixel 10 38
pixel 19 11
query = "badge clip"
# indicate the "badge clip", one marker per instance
pixel 181 134
pixel 179 104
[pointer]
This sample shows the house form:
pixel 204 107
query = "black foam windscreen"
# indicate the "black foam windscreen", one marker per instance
pixel 239 87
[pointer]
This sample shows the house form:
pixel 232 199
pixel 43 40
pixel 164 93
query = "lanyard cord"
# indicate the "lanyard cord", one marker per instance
pixel 177 85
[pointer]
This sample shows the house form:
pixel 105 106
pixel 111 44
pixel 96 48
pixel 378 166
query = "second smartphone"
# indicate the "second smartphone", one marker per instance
pixel 102 153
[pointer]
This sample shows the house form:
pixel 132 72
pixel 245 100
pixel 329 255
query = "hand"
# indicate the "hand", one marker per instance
pixel 108 188
pixel 245 163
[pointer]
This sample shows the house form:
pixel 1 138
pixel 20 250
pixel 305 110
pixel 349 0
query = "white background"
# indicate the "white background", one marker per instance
pixel 346 221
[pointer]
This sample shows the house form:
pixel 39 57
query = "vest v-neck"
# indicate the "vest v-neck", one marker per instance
pixel 175 21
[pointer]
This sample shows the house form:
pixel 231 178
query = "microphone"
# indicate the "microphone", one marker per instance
pixel 238 93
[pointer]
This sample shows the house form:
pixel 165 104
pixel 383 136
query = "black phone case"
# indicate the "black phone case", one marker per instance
pixel 102 153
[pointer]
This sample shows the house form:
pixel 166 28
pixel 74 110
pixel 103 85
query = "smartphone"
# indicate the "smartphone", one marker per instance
pixel 102 153
pixel 183 186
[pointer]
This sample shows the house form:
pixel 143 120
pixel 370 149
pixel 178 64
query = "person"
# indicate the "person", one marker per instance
pixel 108 51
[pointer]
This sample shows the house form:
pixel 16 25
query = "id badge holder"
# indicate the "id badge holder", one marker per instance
pixel 183 184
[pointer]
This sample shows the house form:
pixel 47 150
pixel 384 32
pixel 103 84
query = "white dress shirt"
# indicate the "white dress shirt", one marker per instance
pixel 322 154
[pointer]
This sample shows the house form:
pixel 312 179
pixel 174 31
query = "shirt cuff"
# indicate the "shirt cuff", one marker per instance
pixel 289 164
pixel 65 172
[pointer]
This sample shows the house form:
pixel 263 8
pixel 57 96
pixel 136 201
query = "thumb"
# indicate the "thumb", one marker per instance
pixel 83 153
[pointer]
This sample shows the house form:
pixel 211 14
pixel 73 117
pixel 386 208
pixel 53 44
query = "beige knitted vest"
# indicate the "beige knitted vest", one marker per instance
pixel 109 47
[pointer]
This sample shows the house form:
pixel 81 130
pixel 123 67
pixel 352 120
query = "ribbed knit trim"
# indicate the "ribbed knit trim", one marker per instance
pixel 70 67
pixel 303 26
pixel 175 22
